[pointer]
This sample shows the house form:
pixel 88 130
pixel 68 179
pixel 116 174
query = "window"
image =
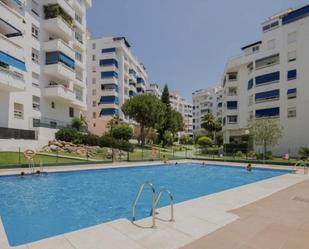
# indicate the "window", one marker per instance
pixel 232 119
pixel 78 18
pixel 270 26
pixel 94 80
pixel 94 46
pixel 93 57
pixel 292 93
pixel 232 76
pixel 94 125
pixel 35 31
pixel 267 78
pixel 36 122
pixel 292 74
pixel 250 84
pixel 232 91
pixel 231 105
pixel 94 69
pixel 292 112
pixel 94 115
pixel 94 103
pixel 53 105
pixel 35 56
pixel 292 56
pixel 18 111
pixel 291 37
pixel 271 44
pixel 267 61
pixel 36 103
pixel 267 96
pixel 35 79
pixel 250 67
pixel 78 56
pixel 94 92
pixel 71 112
pixel 268 112
pixel 35 7
pixel 256 49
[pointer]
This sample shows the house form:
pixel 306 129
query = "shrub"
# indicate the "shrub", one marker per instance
pixel 66 134
pixel 90 139
pixel 123 145
pixel 304 153
pixel 122 131
pixel 252 155
pixel 77 123
pixel 268 156
pixel 106 141
pixel 185 139
pixel 204 142
pixel 239 154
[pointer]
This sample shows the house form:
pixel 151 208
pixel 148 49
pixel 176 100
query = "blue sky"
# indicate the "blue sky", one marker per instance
pixel 184 43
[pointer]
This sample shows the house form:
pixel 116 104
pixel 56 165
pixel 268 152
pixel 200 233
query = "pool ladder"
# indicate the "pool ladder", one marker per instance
pixel 154 202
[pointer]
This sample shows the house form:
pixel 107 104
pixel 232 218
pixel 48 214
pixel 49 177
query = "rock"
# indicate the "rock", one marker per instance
pixel 53 147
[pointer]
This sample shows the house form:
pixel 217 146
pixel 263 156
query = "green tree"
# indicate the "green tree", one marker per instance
pixel 77 123
pixel 113 122
pixel 168 138
pixel 145 109
pixel 166 124
pixel 122 131
pixel 176 122
pixel 265 132
pixel 304 153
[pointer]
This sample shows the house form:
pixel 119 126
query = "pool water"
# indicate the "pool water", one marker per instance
pixel 38 207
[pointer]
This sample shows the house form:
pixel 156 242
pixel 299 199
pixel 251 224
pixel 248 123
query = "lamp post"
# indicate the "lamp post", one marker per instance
pixel 247 132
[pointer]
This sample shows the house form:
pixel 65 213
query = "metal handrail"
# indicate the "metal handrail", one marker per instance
pixel 300 163
pixel 164 190
pixel 153 211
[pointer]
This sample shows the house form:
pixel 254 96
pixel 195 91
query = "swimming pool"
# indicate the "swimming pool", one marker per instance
pixel 38 207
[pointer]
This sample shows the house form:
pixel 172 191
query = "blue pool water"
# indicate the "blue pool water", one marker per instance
pixel 37 207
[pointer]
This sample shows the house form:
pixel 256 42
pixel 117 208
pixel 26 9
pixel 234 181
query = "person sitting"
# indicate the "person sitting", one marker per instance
pixel 249 167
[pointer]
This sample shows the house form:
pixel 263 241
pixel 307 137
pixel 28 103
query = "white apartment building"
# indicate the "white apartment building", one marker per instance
pixel 114 75
pixel 206 101
pixel 154 89
pixel 185 108
pixel 270 79
pixel 42 68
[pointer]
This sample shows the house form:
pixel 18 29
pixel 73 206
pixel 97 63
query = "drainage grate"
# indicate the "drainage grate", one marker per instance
pixel 301 199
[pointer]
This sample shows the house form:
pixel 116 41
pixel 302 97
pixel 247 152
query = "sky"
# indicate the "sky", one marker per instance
pixel 184 43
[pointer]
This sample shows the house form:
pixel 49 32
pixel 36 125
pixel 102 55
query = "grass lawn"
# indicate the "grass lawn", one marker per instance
pixel 7 158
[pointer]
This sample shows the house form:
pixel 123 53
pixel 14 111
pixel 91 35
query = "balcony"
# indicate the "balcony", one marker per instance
pixel 59 27
pixel 11 48
pixel 60 92
pixel 60 71
pixel 109 92
pixel 11 16
pixel 59 45
pixel 11 81
pixel 66 5
pixel 60 65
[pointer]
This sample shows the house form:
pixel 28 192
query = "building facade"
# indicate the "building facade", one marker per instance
pixel 154 89
pixel 269 80
pixel 42 68
pixel 185 108
pixel 114 75
pixel 206 101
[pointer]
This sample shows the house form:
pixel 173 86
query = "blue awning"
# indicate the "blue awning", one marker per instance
pixel 268 95
pixel 12 61
pixel 67 60
pixel 269 112
pixel 231 104
pixel 109 100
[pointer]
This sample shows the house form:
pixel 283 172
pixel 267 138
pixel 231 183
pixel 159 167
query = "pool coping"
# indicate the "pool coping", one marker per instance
pixel 194 211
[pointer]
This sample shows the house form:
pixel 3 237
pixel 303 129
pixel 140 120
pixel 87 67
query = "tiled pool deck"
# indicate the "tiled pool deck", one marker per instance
pixel 195 219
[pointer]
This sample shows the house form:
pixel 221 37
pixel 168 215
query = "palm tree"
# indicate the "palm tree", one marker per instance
pixel 113 122
pixel 211 124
